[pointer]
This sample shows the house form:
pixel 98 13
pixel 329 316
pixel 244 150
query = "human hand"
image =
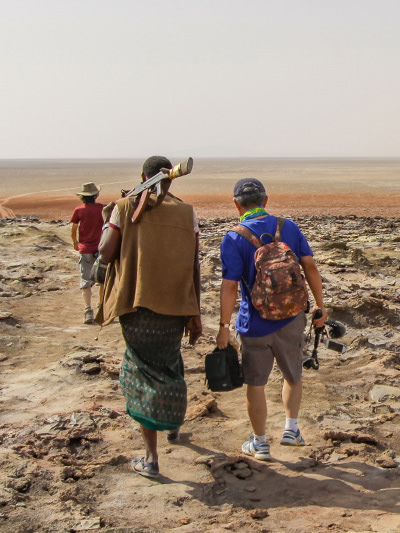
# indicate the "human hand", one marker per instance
pixel 223 338
pixel 319 322
pixel 107 210
pixel 165 170
pixel 194 329
pixel 76 247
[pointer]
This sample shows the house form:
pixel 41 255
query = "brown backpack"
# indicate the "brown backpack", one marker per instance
pixel 279 289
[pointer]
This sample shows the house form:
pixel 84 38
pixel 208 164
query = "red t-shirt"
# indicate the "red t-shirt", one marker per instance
pixel 90 221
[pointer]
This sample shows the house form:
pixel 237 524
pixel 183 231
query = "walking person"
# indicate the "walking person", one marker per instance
pixel 87 221
pixel 153 286
pixel 264 341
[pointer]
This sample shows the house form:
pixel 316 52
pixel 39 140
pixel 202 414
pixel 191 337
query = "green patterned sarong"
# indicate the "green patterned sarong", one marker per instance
pixel 151 374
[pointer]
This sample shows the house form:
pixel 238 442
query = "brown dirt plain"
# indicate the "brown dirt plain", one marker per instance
pixel 66 442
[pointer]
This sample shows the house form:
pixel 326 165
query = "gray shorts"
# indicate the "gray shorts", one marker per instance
pixel 86 262
pixel 285 346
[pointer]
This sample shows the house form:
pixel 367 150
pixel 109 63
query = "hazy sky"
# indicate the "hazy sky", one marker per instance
pixel 130 78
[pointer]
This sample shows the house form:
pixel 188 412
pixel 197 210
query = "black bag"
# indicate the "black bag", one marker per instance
pixel 98 272
pixel 223 370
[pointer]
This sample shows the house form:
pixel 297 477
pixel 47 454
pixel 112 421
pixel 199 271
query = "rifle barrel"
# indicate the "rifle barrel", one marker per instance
pixel 147 184
pixel 179 170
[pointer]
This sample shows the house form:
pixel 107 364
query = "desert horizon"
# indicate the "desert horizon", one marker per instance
pixel 336 186
pixel 60 207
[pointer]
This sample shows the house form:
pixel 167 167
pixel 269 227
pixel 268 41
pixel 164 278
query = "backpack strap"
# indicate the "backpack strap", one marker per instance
pixel 280 222
pixel 252 237
pixel 248 235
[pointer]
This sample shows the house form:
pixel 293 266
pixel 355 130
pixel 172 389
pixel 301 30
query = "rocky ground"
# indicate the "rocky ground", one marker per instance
pixel 66 442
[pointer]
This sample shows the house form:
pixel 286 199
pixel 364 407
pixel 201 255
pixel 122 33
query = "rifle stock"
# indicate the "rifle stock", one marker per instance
pixel 182 169
pixel 144 197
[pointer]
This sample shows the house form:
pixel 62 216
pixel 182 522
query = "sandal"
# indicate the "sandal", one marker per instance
pixel 173 436
pixel 145 469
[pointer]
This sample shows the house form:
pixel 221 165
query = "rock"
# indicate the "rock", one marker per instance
pixel 382 393
pixel 90 368
pixel 259 514
pixel 71 473
pixel 243 474
pixel 111 369
pixel 117 460
pixel 108 412
pixel 21 484
pixel 240 469
pixel 89 524
pixel 202 408
pixel 204 460
pixel 208 460
pixel 90 357
pixel 344 436
pixel 387 459
pixel 6 497
pixel 82 421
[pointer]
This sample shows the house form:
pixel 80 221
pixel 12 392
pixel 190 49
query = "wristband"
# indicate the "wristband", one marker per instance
pixel 222 325
pixel 105 226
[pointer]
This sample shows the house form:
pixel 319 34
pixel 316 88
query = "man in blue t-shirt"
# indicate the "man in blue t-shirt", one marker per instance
pixel 264 341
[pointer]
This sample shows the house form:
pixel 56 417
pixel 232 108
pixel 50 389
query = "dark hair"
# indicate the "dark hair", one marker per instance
pixel 154 164
pixel 89 199
pixel 251 200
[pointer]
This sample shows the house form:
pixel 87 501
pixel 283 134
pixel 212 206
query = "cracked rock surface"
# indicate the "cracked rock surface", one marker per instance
pixel 66 442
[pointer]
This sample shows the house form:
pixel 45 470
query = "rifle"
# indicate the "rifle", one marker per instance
pixel 160 182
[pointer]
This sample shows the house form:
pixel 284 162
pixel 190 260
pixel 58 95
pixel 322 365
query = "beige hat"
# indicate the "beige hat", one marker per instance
pixel 88 189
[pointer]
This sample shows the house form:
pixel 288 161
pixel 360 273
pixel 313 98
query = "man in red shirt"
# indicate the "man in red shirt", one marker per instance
pixel 87 222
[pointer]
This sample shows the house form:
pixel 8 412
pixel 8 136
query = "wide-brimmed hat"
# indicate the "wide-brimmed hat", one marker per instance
pixel 88 189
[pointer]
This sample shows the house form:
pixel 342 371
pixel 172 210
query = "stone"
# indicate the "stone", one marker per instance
pixel 259 514
pixel 382 393
pixel 21 484
pixel 90 368
pixel 89 524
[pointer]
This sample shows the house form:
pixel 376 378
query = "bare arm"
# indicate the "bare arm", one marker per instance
pixel 74 235
pixel 196 271
pixel 110 244
pixel 228 297
pixel 194 327
pixel 314 281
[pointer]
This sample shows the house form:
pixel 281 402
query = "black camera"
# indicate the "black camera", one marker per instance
pixel 311 362
pixel 335 331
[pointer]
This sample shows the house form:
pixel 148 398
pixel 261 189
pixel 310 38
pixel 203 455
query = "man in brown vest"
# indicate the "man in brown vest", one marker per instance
pixel 153 286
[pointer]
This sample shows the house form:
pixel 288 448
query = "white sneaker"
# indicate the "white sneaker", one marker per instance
pixel 258 451
pixel 292 438
pixel 88 316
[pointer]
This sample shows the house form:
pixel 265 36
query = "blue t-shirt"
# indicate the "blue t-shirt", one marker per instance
pixel 237 257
